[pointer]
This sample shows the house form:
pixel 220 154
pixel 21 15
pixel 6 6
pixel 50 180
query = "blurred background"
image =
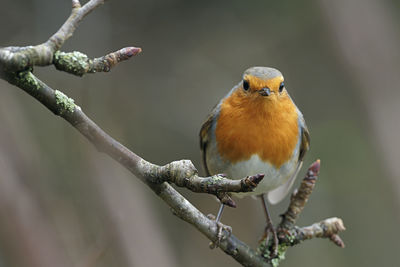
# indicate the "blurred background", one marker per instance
pixel 64 204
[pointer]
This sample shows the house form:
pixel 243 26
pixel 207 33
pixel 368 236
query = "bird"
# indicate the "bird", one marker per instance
pixel 256 129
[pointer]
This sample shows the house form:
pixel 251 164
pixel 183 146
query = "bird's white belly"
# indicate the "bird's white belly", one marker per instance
pixel 274 177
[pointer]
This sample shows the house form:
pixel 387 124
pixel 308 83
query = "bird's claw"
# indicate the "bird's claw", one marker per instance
pixel 274 242
pixel 220 228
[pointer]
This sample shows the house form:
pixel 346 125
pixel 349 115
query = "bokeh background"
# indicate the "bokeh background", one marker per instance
pixel 64 204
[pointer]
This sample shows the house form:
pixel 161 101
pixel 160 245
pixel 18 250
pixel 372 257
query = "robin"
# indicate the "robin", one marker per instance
pixel 256 128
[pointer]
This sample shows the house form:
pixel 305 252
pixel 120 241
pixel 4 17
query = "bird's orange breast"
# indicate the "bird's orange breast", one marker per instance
pixel 249 126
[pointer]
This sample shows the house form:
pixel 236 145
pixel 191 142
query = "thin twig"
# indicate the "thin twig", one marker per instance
pixel 289 234
pixel 300 197
pixel 328 228
pixel 79 64
pixel 217 185
pixel 42 54
pixel 57 40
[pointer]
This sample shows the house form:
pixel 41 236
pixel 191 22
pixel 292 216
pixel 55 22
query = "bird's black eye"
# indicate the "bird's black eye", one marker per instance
pixel 246 85
pixel 281 86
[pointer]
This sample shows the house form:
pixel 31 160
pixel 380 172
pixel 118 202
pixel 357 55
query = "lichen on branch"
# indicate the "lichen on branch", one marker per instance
pixel 79 64
pixel 65 103
pixel 289 234
pixel 183 173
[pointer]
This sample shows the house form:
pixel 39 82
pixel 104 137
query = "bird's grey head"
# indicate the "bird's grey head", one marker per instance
pixel 263 73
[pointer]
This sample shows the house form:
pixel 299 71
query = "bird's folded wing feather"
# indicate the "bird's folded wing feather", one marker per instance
pixel 204 139
pixel 278 194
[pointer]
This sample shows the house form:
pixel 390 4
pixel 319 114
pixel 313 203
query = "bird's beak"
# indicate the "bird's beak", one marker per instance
pixel 265 91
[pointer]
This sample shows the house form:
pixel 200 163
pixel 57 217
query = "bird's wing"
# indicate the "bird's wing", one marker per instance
pixel 204 140
pixel 278 194
pixel 305 140
pixel 205 131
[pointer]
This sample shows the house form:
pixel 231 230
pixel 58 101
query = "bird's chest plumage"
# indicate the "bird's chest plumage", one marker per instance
pixel 255 137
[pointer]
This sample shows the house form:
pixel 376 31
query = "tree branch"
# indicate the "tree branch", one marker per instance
pixel 328 228
pixel 289 234
pixel 22 58
pixel 217 185
pixel 300 197
pixel 79 64
pixel 16 65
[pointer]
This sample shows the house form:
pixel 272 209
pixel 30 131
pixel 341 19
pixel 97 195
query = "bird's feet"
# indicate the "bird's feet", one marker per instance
pixel 220 228
pixel 270 229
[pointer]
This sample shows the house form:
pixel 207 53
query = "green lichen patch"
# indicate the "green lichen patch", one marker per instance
pixel 75 62
pixel 64 103
pixel 264 250
pixel 281 255
pixel 291 238
pixel 215 179
pixel 27 80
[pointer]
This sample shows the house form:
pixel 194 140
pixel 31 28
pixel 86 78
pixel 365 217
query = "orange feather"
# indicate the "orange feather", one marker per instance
pixel 250 123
